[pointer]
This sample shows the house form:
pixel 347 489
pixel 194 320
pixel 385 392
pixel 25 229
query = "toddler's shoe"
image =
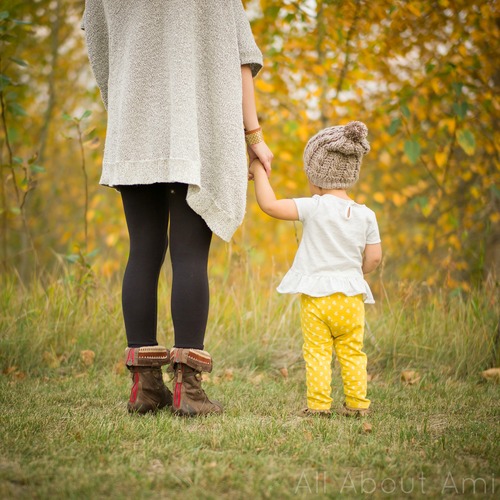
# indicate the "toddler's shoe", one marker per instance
pixel 345 411
pixel 308 412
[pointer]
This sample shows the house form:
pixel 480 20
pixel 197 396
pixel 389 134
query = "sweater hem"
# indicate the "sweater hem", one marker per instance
pixel 218 220
pixel 133 172
pixel 143 172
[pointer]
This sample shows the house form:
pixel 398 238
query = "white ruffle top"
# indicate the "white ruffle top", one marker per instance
pixel 330 256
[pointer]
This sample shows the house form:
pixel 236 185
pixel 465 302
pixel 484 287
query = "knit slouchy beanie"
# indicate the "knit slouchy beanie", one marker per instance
pixel 332 158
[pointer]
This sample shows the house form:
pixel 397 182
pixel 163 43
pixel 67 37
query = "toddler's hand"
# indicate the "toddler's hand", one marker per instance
pixel 254 164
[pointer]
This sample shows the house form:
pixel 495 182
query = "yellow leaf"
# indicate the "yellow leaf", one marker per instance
pixel 379 197
pixel 410 377
pixel 436 85
pixel 398 199
pixel 318 70
pixel 413 9
pixel 264 86
pixel 493 374
pixel 441 159
pixel 285 155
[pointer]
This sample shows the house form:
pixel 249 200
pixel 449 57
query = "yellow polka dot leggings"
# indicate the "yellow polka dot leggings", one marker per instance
pixel 336 321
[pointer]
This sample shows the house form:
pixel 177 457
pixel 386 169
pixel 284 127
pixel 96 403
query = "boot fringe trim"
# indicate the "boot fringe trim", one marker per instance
pixel 147 356
pixel 195 358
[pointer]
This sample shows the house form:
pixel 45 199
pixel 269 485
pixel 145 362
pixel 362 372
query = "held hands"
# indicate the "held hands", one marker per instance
pixel 254 165
pixel 261 152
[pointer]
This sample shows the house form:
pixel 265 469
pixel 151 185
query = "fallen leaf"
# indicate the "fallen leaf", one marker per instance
pixel 205 377
pixel 367 428
pixel 87 357
pixel 410 377
pixel 228 374
pixel 492 374
pixel 9 370
pixel 257 379
pixel 284 372
pixel 119 368
pixel 308 436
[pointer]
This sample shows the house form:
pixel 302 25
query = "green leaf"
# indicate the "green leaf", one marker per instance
pixel 429 67
pixel 5 81
pixel 20 62
pixel 37 169
pixel 4 14
pixel 495 191
pixel 394 126
pixel 16 109
pixel 405 111
pixel 93 253
pixel 86 114
pixel 291 126
pixel 72 258
pixel 460 109
pixel 15 210
pixel 272 12
pixel 67 117
pixel 457 87
pixel 21 21
pixel 412 150
pixel 467 141
pixel 18 160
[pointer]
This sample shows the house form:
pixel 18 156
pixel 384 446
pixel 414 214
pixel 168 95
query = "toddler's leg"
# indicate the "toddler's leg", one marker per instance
pixel 317 348
pixel 348 322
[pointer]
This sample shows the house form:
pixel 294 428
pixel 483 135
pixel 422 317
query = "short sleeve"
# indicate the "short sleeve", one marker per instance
pixel 249 52
pixel 305 207
pixel 372 232
pixel 95 25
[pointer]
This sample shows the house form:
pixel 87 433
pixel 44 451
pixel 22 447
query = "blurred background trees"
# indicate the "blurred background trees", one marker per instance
pixel 423 76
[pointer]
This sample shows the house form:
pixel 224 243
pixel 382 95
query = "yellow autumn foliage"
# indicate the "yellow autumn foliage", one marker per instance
pixel 423 76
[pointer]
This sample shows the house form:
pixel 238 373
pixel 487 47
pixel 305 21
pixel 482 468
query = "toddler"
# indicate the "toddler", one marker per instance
pixel 340 244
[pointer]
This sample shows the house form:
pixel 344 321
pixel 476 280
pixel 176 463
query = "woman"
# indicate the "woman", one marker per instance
pixel 176 80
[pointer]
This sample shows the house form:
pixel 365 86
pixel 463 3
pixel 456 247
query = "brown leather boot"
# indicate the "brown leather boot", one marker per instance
pixel 190 399
pixel 149 392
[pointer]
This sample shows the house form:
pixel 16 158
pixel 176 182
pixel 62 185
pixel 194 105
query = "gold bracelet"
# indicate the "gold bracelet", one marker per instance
pixel 254 136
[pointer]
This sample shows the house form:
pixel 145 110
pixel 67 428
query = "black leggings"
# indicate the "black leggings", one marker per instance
pixel 147 211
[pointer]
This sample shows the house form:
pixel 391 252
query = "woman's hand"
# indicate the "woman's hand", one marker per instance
pixel 263 153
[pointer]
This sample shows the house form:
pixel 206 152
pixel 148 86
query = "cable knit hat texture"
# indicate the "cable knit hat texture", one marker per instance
pixel 332 158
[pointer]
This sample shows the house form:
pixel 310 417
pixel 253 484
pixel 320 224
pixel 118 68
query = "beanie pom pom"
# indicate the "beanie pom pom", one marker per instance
pixel 356 131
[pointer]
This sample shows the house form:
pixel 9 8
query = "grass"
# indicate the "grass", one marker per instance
pixel 66 434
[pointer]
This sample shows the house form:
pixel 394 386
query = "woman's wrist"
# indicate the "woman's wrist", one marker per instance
pixel 254 136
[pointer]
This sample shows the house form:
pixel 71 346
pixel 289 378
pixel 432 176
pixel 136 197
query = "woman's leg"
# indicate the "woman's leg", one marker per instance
pixel 146 211
pixel 190 239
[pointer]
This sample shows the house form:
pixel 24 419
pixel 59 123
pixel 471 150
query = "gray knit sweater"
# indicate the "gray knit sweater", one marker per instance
pixel 170 79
